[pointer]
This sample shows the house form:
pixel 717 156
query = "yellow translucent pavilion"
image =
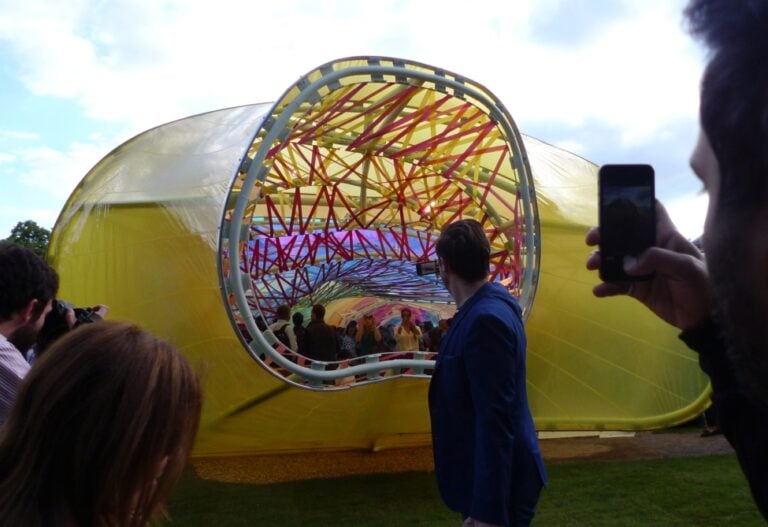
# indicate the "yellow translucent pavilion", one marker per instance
pixel 198 227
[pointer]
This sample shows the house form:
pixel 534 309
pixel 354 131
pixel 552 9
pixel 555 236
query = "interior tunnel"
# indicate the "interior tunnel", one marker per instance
pixel 346 187
pixel 332 195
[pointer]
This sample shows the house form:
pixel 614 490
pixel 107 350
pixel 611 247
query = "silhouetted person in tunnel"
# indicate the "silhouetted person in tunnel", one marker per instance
pixel 320 339
pixel 368 336
pixel 298 329
pixel 282 327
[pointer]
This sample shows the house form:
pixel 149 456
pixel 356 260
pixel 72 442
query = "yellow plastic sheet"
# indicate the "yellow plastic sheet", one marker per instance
pixel 142 233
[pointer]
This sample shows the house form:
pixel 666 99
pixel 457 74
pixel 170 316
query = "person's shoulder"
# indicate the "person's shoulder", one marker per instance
pixel 496 310
pixel 8 350
pixel 11 360
pixel 490 306
pixel 497 299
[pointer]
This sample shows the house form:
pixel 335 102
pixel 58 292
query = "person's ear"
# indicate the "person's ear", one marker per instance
pixel 27 311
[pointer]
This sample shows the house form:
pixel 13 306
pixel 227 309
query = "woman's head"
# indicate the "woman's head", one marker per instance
pixel 100 430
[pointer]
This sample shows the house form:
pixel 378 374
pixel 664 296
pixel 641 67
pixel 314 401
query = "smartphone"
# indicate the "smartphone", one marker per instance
pixel 627 217
pixel 425 268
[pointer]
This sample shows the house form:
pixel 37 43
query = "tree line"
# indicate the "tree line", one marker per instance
pixel 31 235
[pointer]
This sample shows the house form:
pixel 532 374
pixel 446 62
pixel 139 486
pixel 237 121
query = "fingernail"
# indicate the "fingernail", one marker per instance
pixel 630 262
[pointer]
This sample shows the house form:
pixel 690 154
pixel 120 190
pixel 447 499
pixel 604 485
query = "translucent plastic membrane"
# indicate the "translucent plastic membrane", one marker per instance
pixel 331 195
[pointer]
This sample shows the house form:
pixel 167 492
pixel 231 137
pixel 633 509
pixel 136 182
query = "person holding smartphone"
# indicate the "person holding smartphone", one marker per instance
pixel 407 333
pixel 720 299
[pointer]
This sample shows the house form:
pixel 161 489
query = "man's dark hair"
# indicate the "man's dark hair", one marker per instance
pixel 283 312
pixel 298 318
pixel 734 95
pixel 464 247
pixel 24 277
pixel 319 311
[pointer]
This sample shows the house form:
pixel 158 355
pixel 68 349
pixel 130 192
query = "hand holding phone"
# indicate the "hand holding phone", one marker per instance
pixel 627 217
pixel 679 292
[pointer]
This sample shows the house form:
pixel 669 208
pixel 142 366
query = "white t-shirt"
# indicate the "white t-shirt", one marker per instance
pixel 407 340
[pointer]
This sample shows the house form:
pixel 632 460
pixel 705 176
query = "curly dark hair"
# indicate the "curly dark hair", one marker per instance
pixel 24 277
pixel 734 95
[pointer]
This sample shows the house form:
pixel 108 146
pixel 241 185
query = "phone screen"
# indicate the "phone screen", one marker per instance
pixel 627 217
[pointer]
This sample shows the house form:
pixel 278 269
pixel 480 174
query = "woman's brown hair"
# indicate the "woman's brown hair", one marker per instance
pixel 100 430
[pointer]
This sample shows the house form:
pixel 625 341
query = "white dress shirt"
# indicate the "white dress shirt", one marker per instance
pixel 13 369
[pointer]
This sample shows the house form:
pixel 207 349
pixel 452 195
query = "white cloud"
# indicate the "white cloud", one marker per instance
pixel 38 179
pixel 637 75
pixel 11 215
pixel 56 172
pixel 688 213
pixel 175 58
pixel 17 135
pixel 140 63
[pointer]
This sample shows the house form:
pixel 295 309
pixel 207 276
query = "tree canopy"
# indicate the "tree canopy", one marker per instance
pixel 31 235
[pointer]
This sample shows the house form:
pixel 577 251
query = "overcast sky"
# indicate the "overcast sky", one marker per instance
pixel 611 80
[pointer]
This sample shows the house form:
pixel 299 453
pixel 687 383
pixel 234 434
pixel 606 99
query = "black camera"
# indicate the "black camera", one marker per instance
pixel 56 323
pixel 85 315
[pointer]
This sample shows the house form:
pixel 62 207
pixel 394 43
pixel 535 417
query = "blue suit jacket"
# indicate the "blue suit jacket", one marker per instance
pixel 487 458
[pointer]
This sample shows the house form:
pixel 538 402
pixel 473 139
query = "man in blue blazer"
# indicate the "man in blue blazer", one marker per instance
pixel 487 459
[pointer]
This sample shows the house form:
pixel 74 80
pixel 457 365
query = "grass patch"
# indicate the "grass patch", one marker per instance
pixel 698 491
pixel 386 500
pixel 689 491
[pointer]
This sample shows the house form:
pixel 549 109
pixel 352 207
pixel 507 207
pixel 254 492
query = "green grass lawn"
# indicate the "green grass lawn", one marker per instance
pixel 699 491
